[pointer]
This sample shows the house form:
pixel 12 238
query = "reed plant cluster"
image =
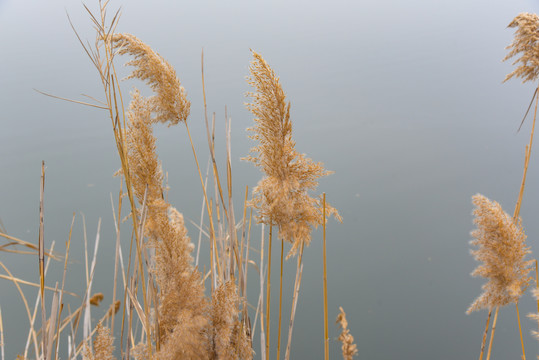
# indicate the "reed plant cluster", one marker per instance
pixel 499 240
pixel 165 305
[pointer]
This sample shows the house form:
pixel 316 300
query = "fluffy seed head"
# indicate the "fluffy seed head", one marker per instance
pixel 501 248
pixel 525 44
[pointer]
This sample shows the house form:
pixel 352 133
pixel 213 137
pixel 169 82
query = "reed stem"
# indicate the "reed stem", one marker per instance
pixel 268 291
pixel 280 302
pixel 492 332
pixel 526 161
pixel 485 335
pixel 537 283
pixel 326 332
pixel 520 331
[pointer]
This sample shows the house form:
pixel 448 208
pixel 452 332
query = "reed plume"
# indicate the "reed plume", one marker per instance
pixel 103 345
pixel 230 340
pixel 183 310
pixel 282 196
pixel 349 349
pixel 525 44
pixel 502 250
pixel 170 103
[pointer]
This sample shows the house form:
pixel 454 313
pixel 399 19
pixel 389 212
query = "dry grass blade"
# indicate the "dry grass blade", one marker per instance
pixel 71 100
pixel 28 245
pixel 22 295
pixel 25 282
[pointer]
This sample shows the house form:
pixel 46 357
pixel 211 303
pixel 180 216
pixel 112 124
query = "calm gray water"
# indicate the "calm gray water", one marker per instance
pixel 403 100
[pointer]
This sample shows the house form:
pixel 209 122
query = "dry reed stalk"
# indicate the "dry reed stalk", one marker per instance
pixel 492 332
pixel 280 302
pixel 325 283
pixel 537 285
pixel 31 332
pixel 297 283
pixel 485 335
pixel 58 320
pixel 51 324
pixel 102 58
pixel 520 332
pixel 1 335
pixel 261 299
pixel 526 45
pixel 349 349
pixel 268 291
pixel 117 251
pixel 87 325
pixel 41 261
pixel 216 177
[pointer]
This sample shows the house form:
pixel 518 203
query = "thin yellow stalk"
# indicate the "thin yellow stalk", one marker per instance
pixel 492 332
pixel 117 226
pixel 58 320
pixel 297 284
pixel 519 201
pixel 526 162
pixel 31 332
pixel 41 263
pixel 280 302
pixel 212 232
pixel 537 282
pixel 268 292
pixel 326 331
pixel 520 331
pixel 1 334
pixel 211 142
pixel 240 264
pixel 261 299
pixel 485 335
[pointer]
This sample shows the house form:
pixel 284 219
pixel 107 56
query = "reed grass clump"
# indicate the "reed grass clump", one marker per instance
pixel 166 314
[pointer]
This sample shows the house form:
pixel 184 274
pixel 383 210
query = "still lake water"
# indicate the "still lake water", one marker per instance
pixel 403 101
